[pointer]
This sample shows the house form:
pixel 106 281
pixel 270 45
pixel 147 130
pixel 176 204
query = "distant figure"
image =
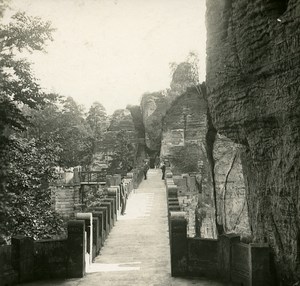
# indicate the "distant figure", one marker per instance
pixel 123 196
pixel 163 169
pixel 145 170
pixel 156 164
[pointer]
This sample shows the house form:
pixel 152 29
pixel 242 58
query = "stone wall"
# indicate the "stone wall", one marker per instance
pixel 64 198
pixel 253 54
pixel 8 276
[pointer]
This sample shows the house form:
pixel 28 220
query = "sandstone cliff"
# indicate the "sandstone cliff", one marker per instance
pixel 190 147
pixel 253 57
pixel 154 107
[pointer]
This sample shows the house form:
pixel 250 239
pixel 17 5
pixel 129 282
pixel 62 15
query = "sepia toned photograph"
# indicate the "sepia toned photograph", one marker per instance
pixel 150 142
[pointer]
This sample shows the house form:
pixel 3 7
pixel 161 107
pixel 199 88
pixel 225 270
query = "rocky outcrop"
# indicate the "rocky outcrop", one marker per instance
pixel 191 145
pixel 184 133
pixel 137 118
pixel 232 205
pixel 121 132
pixel 253 65
pixel 183 77
pixel 154 107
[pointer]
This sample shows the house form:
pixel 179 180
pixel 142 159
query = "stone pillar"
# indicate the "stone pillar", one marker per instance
pixel 76 249
pixel 100 235
pixel 96 238
pixel 259 255
pixel 112 192
pixel 117 179
pixel 109 180
pixel 88 219
pixel 178 244
pixel 224 253
pixel 105 215
pixel 108 205
pixel 22 253
pixel 172 191
pixel 112 202
pixel 76 178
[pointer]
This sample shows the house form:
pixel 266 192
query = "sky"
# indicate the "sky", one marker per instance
pixel 113 51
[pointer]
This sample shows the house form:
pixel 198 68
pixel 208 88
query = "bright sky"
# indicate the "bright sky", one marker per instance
pixel 113 51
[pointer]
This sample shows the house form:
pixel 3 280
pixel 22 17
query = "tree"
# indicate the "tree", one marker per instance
pixel 184 75
pixel 123 157
pixel 73 135
pixel 18 87
pixel 26 168
pixel 97 120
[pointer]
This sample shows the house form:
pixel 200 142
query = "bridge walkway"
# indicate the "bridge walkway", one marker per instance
pixel 137 249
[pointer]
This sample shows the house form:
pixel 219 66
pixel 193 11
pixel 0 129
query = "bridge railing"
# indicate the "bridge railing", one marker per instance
pixel 225 258
pixel 88 227
pixel 90 177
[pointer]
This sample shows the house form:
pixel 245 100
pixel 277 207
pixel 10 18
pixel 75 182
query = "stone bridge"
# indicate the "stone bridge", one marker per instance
pixel 149 245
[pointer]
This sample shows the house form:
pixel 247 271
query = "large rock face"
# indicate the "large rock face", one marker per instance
pixel 184 133
pixel 232 206
pixel 253 67
pixel 186 143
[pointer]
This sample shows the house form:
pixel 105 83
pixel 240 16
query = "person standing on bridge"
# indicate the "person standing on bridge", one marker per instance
pixel 123 196
pixel 163 169
pixel 145 170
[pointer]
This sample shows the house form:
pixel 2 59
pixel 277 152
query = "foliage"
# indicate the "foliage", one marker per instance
pixel 97 120
pixel 18 85
pixel 26 199
pixel 26 167
pixel 62 121
pixel 186 159
pixel 123 158
pixel 73 135
pixel 184 75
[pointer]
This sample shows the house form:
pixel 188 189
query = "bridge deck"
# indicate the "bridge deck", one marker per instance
pixel 137 249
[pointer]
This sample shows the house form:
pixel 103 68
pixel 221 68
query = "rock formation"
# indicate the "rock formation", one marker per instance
pixel 121 128
pixel 253 64
pixel 191 145
pixel 184 132
pixel 154 107
pixel 232 205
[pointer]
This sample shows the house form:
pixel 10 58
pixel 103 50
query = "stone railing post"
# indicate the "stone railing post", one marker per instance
pixel 109 180
pixel 112 192
pixel 96 238
pixel 88 218
pixel 178 244
pixel 108 206
pixel 172 191
pixel 224 253
pixel 76 249
pixel 113 208
pixel 104 211
pixel 22 253
pixel 259 256
pixel 116 179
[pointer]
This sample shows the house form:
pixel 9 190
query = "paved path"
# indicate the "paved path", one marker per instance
pixel 137 249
